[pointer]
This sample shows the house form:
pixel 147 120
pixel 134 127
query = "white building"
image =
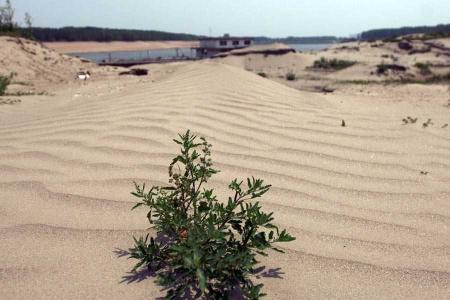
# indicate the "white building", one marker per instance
pixel 212 46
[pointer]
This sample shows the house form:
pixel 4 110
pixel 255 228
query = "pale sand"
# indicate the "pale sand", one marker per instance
pixel 77 47
pixel 368 224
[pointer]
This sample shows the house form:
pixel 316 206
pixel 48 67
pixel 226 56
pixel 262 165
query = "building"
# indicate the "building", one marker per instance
pixel 212 46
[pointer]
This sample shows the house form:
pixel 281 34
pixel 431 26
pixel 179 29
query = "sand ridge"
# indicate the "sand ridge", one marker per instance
pixel 368 223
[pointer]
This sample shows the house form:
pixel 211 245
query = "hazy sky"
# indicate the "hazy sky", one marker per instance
pixel 238 17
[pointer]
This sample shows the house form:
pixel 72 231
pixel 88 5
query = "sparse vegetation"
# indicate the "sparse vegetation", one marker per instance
pixel 7 24
pixel 262 74
pixel 4 82
pixel 427 123
pixel 29 93
pixel 135 72
pixel 409 120
pixel 359 82
pixel 424 68
pixel 291 76
pixel 435 79
pixel 9 27
pixel 9 101
pixel 383 68
pixel 332 64
pixel 29 26
pixel 204 248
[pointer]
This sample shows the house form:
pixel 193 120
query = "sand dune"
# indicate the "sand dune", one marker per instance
pixel 368 223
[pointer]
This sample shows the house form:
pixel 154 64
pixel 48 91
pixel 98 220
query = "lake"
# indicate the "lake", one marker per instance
pixel 309 47
pixel 99 57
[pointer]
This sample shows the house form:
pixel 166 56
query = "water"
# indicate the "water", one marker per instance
pixel 99 57
pixel 309 47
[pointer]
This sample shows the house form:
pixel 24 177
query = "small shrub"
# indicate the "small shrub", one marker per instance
pixel 135 72
pixel 358 82
pixel 404 45
pixel 204 248
pixel 262 74
pixel 383 68
pixel 291 76
pixel 409 120
pixel 332 64
pixel 424 68
pixel 4 82
pixel 438 79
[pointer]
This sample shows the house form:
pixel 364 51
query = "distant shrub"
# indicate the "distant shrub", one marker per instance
pixel 332 64
pixel 439 78
pixel 135 72
pixel 262 74
pixel 204 247
pixel 383 68
pixel 424 68
pixel 404 45
pixel 358 82
pixel 4 82
pixel 291 76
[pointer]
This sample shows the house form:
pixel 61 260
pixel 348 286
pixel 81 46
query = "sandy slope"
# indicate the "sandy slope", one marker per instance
pixel 366 56
pixel 37 69
pixel 368 224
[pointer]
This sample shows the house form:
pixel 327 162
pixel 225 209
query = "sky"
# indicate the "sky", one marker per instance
pixel 273 18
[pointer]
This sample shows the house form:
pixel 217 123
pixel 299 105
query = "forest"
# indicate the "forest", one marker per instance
pixel 389 33
pixel 71 34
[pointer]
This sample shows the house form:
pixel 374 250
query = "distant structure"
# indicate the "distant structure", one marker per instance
pixel 213 46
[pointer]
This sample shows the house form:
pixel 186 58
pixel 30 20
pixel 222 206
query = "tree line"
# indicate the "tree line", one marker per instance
pixel 71 34
pixel 389 33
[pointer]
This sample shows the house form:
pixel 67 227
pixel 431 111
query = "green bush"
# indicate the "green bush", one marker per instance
pixel 291 76
pixel 203 246
pixel 424 68
pixel 4 82
pixel 332 64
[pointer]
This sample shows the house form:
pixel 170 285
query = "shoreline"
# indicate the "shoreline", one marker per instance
pixel 92 47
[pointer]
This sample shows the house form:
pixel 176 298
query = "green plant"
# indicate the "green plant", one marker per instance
pixel 262 74
pixel 7 25
pixel 204 246
pixel 332 64
pixel 4 82
pixel 424 68
pixel 291 76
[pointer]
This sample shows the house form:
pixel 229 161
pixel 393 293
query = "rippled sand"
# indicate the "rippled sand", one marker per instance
pixel 368 223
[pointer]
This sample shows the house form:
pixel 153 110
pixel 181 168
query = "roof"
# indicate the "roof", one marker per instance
pixel 228 38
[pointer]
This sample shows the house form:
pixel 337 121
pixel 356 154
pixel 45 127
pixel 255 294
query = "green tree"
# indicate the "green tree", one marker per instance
pixel 204 247
pixel 7 17
pixel 29 26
